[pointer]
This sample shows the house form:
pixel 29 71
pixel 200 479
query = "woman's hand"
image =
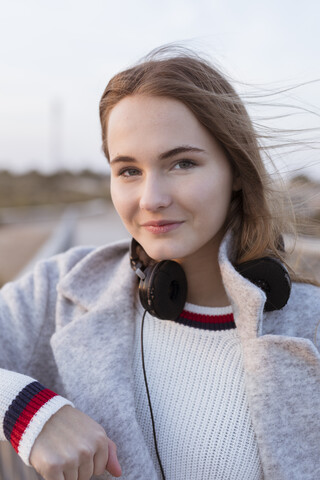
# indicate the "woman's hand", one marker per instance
pixel 72 446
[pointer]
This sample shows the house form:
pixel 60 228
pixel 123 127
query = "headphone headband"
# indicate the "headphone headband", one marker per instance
pixel 135 262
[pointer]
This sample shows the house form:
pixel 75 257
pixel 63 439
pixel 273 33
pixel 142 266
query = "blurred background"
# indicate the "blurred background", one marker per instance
pixel 56 59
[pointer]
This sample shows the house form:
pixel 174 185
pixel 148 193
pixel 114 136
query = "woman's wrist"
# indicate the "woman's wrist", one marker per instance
pixel 25 407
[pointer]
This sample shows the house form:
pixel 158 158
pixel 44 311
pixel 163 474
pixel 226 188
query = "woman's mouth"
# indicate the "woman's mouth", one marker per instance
pixel 163 226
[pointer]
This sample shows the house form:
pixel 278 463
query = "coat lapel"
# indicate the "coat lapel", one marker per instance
pixel 283 385
pixel 282 381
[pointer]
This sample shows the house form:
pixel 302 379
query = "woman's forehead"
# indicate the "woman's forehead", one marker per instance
pixel 154 120
pixel 153 108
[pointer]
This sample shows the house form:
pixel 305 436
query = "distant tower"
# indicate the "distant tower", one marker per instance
pixel 56 128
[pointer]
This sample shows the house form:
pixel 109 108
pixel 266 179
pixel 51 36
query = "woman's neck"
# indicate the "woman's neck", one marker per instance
pixel 205 286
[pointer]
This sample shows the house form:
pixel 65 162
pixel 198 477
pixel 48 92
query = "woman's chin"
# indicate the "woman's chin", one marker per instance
pixel 159 254
pixel 177 253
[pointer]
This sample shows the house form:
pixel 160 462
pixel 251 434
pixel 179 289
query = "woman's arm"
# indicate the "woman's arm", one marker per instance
pixel 25 407
pixel 58 440
pixel 32 417
pixel 27 307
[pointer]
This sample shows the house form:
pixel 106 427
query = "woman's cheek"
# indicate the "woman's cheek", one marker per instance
pixel 123 207
pixel 116 195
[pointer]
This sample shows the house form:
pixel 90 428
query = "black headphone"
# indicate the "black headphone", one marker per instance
pixel 163 285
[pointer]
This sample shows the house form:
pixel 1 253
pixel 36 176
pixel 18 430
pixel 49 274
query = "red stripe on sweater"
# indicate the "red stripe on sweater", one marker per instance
pixel 199 317
pixel 26 415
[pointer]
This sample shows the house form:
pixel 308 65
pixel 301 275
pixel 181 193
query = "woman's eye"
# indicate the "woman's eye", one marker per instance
pixel 184 164
pixel 128 172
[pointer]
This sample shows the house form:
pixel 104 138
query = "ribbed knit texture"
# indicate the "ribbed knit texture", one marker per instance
pixel 196 384
pixel 25 406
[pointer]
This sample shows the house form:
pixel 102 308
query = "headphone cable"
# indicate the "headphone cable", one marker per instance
pixel 149 400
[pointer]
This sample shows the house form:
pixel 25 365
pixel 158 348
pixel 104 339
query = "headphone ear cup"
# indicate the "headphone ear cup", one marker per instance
pixel 272 277
pixel 163 292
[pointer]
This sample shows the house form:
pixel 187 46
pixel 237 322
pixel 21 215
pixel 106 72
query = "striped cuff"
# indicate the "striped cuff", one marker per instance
pixel 27 414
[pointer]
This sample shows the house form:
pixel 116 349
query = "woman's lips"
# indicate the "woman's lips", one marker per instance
pixel 161 227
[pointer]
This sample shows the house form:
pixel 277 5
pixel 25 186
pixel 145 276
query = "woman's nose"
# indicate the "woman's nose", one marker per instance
pixel 155 194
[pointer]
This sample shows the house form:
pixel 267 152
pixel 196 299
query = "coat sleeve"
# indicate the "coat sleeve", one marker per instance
pixel 26 306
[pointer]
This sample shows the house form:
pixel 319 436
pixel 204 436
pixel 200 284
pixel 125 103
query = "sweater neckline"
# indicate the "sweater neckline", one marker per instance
pixel 207 318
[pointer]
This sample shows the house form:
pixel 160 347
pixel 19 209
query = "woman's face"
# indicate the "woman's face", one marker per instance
pixel 171 182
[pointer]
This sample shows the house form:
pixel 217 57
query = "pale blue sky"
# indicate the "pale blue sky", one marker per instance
pixel 58 56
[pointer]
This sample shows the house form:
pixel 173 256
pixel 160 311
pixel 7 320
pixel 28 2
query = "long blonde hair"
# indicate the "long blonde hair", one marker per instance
pixel 258 215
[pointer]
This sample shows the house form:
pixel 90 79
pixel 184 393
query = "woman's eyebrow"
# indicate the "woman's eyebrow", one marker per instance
pixel 163 156
pixel 177 150
pixel 122 158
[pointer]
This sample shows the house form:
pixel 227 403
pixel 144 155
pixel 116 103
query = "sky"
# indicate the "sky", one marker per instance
pixel 57 57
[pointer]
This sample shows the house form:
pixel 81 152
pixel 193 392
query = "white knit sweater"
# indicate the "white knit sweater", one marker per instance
pixel 196 384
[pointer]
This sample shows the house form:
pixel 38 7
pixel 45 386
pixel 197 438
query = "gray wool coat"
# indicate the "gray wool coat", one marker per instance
pixel 70 324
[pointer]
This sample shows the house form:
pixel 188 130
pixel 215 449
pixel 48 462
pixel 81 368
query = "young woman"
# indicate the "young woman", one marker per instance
pixel 229 383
